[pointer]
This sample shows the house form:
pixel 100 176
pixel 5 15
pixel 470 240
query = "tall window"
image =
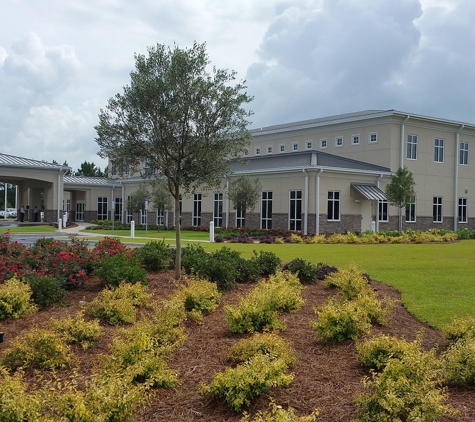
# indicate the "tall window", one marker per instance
pixel 197 209
pixel 412 147
pixel 240 214
pixel 333 205
pixel 411 210
pixel 463 160
pixel 118 209
pixel 218 210
pixel 437 209
pixel 266 211
pixel 295 215
pixel 383 210
pixel 102 208
pixel 160 217
pixel 462 210
pixel 128 217
pixel 148 167
pixel 439 150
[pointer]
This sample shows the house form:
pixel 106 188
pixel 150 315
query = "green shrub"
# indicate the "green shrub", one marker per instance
pixel 77 330
pixel 121 267
pixel 377 310
pixel 15 299
pixel 460 328
pixel 40 348
pixel 200 295
pixel 295 238
pixel 156 255
pixel 45 290
pixel 192 258
pixel 305 270
pixel 407 389
pixel 350 281
pixel 459 362
pixel 278 414
pixel 266 262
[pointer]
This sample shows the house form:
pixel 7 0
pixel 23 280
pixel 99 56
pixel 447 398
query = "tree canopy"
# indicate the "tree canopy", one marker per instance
pixel 181 117
pixel 244 194
pixel 89 170
pixel 399 190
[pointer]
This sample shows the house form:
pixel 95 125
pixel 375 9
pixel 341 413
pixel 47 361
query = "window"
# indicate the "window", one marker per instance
pixel 339 141
pixel 246 152
pixel 323 143
pixel 282 147
pixel 266 211
pixel 102 208
pixel 439 150
pixel 240 214
pixel 118 209
pixel 295 215
pixel 333 205
pixel 437 209
pixel 411 210
pixel 383 210
pixel 113 168
pixel 463 160
pixel 129 216
pixel 462 210
pixel 373 138
pixel 218 210
pixel 295 146
pixel 258 151
pixel 160 218
pixel 269 149
pixel 197 209
pixel 411 147
pixel 309 144
pixel 355 139
pixel 148 167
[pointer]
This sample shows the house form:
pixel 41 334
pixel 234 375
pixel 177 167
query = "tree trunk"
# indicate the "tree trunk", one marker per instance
pixel 400 220
pixel 177 235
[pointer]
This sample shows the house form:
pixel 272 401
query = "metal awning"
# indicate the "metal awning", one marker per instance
pixel 370 191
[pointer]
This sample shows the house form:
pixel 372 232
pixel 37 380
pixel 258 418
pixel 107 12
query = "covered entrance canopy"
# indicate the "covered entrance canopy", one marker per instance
pixel 370 191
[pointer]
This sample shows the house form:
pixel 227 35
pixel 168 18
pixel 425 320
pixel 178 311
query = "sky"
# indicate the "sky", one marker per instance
pixel 60 61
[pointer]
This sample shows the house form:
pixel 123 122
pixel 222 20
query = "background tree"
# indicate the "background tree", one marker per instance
pixel 180 116
pixel 89 170
pixel 160 195
pixel 244 194
pixel 136 202
pixel 399 190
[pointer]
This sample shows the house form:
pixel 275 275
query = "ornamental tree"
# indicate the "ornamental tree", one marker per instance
pixel 181 117
pixel 399 190
pixel 244 193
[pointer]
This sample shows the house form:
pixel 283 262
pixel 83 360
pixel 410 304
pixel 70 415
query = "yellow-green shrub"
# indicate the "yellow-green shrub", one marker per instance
pixel 278 414
pixel 200 295
pixel 459 362
pixel 15 299
pixel 337 238
pixel 460 328
pixel 377 310
pixel 278 241
pixel 295 238
pixel 403 238
pixel 318 238
pixel 77 330
pixel 40 348
pixel 350 282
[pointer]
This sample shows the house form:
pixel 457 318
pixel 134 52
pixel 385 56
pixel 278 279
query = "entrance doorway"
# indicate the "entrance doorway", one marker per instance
pixel 80 210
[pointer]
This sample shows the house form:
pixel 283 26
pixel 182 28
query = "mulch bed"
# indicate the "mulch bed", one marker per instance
pixel 327 377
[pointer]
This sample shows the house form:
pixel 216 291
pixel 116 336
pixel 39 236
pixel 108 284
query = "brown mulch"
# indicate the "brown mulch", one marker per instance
pixel 327 377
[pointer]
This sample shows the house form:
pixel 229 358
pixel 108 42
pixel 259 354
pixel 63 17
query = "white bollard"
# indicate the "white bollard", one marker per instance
pixel 373 226
pixel 65 219
pixel 211 231
pixel 132 228
pixel 60 225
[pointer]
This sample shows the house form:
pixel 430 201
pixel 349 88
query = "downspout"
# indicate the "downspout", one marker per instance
pixel 305 204
pixel 377 204
pixel 112 204
pixel 59 192
pixel 456 177
pixel 401 159
pixel 317 202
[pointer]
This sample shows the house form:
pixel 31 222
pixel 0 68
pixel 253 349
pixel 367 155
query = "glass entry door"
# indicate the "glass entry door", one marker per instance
pixel 80 210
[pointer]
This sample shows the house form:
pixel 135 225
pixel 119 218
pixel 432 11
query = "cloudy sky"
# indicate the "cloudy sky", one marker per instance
pixel 60 61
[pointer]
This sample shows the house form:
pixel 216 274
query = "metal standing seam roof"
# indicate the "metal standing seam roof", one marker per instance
pixel 13 161
pixel 370 191
pixel 90 181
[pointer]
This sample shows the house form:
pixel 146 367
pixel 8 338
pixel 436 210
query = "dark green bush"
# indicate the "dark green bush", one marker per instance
pixel 155 255
pixel 266 263
pixel 45 290
pixel 192 257
pixel 118 268
pixel 306 271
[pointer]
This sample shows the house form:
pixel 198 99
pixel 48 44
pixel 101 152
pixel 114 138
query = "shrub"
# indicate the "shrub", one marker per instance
pixel 155 255
pixel 200 295
pixel 325 270
pixel 77 330
pixel 266 263
pixel 350 281
pixel 459 362
pixel 305 270
pixel 318 238
pixel 460 328
pixel 40 348
pixel 192 258
pixel 278 414
pixel 15 299
pixel 120 267
pixel 295 238
pixel 46 290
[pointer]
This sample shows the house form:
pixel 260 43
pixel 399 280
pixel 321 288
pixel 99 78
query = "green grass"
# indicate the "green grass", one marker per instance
pixel 29 229
pixel 153 234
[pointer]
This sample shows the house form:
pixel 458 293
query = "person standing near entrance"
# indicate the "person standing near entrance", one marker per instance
pixel 35 214
pixel 22 213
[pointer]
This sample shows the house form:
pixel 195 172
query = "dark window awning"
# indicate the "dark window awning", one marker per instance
pixel 370 191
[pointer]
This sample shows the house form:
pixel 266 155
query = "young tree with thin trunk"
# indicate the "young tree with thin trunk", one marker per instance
pixel 244 193
pixel 180 116
pixel 399 190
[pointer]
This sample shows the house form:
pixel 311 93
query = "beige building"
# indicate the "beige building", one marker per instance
pixel 321 175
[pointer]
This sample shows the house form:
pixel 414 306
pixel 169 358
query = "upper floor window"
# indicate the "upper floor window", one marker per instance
pixel 355 139
pixel 463 160
pixel 411 147
pixel 323 143
pixel 246 152
pixel 282 147
pixel 295 146
pixel 269 149
pixel 373 138
pixel 339 141
pixel 258 151
pixel 309 144
pixel 148 167
pixel 439 150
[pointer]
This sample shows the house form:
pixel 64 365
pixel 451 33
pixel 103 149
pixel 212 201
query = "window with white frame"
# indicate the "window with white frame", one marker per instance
pixel 462 210
pixel 383 211
pixel 148 167
pixel 246 152
pixel 269 149
pixel 113 168
pixel 339 141
pixel 373 137
pixel 118 209
pixel 355 139
pixel 295 210
pixel 129 216
pixel 196 209
pixel 411 147
pixel 160 217
pixel 333 205
pixel 282 147
pixel 309 144
pixel 218 209
pixel 437 209
pixel 257 151
pixel 102 208
pixel 240 214
pixel 143 216
pixel 438 150
pixel 295 146
pixel 266 210
pixel 323 143
pixel 411 209
pixel 463 160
